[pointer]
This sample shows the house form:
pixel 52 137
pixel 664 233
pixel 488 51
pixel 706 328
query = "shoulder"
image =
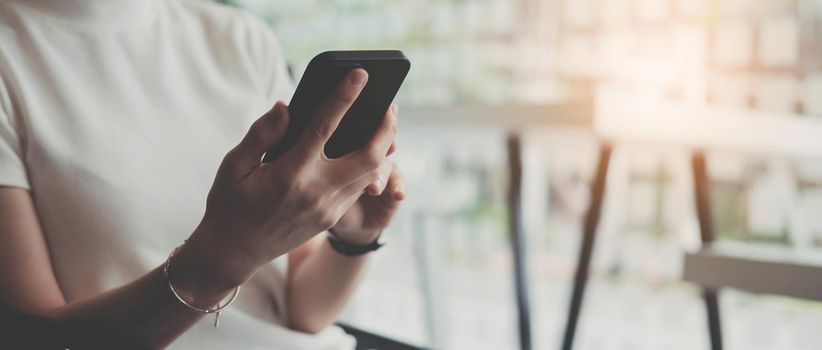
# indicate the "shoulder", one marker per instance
pixel 212 13
pixel 228 29
pixel 10 22
pixel 234 36
pixel 226 22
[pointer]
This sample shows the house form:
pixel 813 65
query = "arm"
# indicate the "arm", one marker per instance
pixel 144 307
pixel 25 265
pixel 255 213
pixel 320 283
pixel 321 280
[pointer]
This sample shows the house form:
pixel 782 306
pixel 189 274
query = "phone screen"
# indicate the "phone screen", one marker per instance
pixel 367 112
pixel 385 76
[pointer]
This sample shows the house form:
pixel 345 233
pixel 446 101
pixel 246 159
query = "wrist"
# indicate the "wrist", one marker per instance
pixel 353 250
pixel 202 297
pixel 200 269
pixel 355 238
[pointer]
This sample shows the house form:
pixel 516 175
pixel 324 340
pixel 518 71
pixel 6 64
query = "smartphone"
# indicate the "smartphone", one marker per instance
pixel 386 72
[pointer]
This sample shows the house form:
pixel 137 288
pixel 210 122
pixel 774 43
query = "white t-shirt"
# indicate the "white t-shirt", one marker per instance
pixel 115 115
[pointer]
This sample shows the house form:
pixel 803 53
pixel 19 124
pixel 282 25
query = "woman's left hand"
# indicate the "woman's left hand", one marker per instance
pixel 374 209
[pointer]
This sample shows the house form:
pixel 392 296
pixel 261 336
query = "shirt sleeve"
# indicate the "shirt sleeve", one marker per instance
pixel 12 167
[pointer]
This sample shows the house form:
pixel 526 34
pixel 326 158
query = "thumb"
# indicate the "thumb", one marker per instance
pixel 264 133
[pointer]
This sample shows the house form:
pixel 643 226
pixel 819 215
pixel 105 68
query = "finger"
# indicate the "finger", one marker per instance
pixel 359 188
pixel 393 148
pixel 395 110
pixel 329 114
pixel 394 191
pixel 365 185
pixel 356 164
pixel 264 133
pixel 377 186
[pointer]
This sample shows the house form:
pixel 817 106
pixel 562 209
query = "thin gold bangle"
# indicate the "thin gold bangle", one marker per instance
pixel 215 311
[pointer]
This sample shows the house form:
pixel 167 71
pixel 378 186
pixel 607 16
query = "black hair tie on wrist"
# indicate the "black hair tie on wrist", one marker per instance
pixel 349 249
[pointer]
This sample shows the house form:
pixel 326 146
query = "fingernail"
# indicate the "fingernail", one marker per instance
pixel 394 109
pixel 358 77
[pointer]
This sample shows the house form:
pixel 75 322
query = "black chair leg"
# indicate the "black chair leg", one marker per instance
pixel 586 248
pixel 711 298
pixel 518 242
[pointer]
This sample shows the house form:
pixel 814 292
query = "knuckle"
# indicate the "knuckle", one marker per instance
pixel 347 95
pixel 370 161
pixel 374 175
pixel 391 127
pixel 323 129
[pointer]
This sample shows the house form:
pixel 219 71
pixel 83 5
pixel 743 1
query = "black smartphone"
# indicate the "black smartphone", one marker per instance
pixel 386 72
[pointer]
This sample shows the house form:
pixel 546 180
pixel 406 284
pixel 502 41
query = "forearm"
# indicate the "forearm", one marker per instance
pixel 145 311
pixel 321 287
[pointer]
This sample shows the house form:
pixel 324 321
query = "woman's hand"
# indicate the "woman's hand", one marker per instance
pixel 373 211
pixel 259 211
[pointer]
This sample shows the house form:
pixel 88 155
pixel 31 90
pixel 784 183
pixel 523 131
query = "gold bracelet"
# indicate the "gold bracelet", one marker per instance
pixel 215 311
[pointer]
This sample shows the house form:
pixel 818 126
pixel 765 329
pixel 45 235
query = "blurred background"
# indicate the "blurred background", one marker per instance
pixel 486 71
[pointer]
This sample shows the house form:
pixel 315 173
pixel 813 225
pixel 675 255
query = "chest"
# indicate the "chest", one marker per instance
pixel 127 130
